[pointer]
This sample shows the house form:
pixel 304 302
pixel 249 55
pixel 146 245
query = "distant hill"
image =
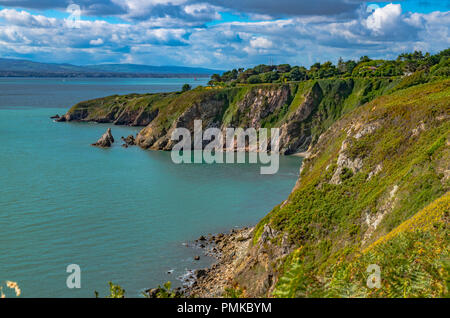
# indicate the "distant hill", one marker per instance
pixel 21 68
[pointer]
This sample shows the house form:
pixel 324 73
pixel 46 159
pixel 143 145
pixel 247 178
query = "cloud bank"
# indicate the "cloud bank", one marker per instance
pixel 195 33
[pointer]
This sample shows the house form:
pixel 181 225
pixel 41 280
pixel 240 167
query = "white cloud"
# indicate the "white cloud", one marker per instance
pixel 261 43
pixel 98 41
pixel 143 8
pixel 384 19
pixel 26 19
pixel 202 10
pixel 166 40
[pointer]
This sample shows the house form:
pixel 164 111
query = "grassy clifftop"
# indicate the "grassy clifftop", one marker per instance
pixel 373 191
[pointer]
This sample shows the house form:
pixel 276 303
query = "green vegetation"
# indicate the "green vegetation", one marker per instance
pixel 186 87
pixel 233 293
pixel 164 291
pixel 115 291
pixel 406 64
pixel 413 259
pixel 331 225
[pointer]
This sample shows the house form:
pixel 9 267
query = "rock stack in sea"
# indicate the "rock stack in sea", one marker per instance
pixel 106 140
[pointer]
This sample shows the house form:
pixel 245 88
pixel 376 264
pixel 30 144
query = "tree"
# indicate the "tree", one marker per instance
pixel 283 68
pixel 350 65
pixel 254 79
pixel 268 77
pixel 342 67
pixel 364 59
pixel 298 74
pixel 186 87
pixel 215 78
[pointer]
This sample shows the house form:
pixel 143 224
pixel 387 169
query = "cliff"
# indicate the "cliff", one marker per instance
pixel 302 110
pixel 373 191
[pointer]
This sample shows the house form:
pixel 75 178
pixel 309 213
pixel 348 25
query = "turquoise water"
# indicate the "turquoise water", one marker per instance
pixel 64 92
pixel 121 214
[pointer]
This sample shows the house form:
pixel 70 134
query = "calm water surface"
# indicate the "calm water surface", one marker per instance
pixel 121 214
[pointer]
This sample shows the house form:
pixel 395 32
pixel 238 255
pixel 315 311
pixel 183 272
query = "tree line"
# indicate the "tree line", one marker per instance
pixel 405 64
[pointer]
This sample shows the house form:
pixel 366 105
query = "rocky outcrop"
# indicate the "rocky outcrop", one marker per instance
pixel 206 110
pixel 106 140
pixel 229 250
pixel 240 262
pixel 128 141
pixel 257 272
pixel 294 136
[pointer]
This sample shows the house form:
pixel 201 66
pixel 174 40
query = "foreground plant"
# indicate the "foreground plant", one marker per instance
pixel 12 285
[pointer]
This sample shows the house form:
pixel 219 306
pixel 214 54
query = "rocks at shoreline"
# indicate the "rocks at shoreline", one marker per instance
pixel 61 119
pixel 227 249
pixel 55 117
pixel 129 141
pixel 106 140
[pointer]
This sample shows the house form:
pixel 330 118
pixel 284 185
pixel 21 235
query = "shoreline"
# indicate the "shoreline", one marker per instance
pixel 304 154
pixel 228 249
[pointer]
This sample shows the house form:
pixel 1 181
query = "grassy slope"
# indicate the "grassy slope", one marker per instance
pixel 413 260
pixel 327 221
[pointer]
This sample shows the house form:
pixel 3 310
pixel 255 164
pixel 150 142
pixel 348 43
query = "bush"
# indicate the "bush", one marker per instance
pixel 186 87
pixel 254 79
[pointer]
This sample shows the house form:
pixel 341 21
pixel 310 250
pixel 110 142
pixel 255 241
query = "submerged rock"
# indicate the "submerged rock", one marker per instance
pixel 106 140
pixel 61 119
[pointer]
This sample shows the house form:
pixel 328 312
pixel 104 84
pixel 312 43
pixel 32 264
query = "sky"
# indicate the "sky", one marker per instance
pixel 219 34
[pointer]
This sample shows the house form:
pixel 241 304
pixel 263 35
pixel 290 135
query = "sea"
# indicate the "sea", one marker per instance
pixel 123 215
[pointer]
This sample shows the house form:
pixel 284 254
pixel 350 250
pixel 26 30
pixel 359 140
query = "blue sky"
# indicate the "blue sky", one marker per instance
pixel 220 33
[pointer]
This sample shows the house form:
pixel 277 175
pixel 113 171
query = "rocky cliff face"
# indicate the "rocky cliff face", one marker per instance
pixel 301 111
pixel 207 110
pixel 373 191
